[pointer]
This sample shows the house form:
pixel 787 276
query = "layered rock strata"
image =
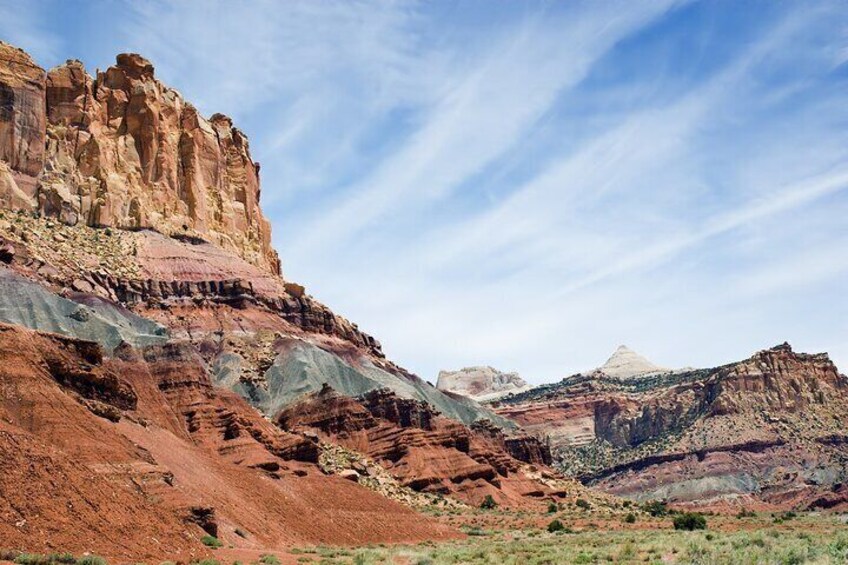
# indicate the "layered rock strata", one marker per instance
pixel 761 432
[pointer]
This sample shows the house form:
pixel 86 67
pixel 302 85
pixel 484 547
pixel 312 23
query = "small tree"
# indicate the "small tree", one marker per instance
pixel 630 518
pixel 690 521
pixel 488 503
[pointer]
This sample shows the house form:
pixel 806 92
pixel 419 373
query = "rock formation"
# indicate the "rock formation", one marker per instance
pixel 130 230
pixel 426 451
pixel 481 383
pixel 625 363
pixel 765 432
pixel 121 149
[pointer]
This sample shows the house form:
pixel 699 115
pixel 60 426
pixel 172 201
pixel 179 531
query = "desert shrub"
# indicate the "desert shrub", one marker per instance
pixel 488 503
pixel 8 554
pixel 269 559
pixel 630 518
pixel 582 504
pixel 745 513
pixel 32 559
pixel 656 508
pixel 556 526
pixel 553 507
pixel 211 541
pixel 91 560
pixel 689 521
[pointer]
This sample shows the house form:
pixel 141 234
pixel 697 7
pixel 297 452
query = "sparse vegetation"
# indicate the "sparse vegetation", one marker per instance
pixel 211 541
pixel 52 559
pixel 553 508
pixel 581 503
pixel 770 546
pixel 268 559
pixel 488 503
pixel 655 508
pixel 630 518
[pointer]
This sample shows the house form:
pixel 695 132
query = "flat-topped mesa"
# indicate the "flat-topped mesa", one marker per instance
pixel 124 150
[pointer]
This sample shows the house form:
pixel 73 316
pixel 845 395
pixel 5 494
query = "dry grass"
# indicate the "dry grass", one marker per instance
pixel 814 539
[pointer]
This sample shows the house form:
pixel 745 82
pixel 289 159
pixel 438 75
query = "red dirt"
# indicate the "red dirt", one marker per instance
pixel 184 445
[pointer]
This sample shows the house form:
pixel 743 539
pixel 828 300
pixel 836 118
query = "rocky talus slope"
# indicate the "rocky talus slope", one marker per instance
pixel 765 432
pixel 152 343
pixel 481 383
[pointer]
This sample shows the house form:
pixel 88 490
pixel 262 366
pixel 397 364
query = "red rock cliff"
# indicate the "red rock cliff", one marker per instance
pixel 122 149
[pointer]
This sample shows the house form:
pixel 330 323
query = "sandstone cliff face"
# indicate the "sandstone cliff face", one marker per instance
pixel 22 126
pixel 764 431
pixel 123 150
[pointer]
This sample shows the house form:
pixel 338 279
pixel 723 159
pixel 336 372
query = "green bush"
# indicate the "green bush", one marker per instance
pixel 553 507
pixel 656 508
pixel 689 521
pixel 583 504
pixel 630 518
pixel 556 526
pixel 269 559
pixel 488 503
pixel 211 541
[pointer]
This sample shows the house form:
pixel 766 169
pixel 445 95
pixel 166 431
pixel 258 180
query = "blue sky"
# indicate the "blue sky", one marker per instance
pixel 526 184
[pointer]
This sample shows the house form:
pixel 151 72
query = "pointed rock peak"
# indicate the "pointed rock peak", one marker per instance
pixel 625 363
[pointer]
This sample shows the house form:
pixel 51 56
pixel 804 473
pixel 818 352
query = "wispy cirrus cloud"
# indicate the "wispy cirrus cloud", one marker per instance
pixel 528 185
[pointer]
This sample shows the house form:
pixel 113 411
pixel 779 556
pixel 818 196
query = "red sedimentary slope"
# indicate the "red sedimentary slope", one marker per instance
pixel 766 432
pixel 138 456
pixel 425 451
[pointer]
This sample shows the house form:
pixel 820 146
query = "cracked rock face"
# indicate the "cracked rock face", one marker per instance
pixel 121 149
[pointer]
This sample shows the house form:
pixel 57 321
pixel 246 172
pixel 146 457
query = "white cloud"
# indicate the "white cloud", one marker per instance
pixel 481 116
